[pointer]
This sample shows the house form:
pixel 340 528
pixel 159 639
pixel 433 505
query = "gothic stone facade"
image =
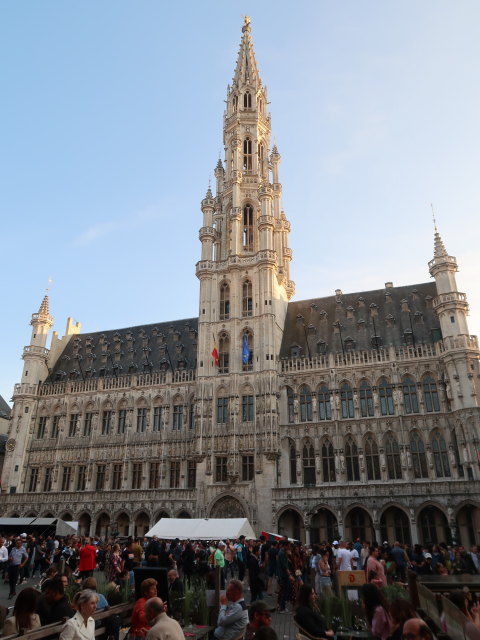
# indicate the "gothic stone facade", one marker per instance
pixel 354 414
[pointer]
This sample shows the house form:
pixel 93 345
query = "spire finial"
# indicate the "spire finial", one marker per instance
pixel 246 24
pixel 433 216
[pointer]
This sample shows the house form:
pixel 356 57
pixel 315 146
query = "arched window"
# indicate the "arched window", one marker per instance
pixel 293 464
pixel 372 461
pixel 260 105
pixel 247 154
pixel 430 394
pixel 419 459
pixel 328 462
pixel 224 301
pixel 440 456
pixel 247 299
pixel 305 404
pixel 248 227
pixel 351 461
pixel 309 479
pixel 346 399
pixel 223 353
pixel 324 404
pixel 247 351
pixel 290 406
pixel 366 399
pixel 410 399
pixel 235 104
pixel 385 391
pixel 394 464
pixel 247 100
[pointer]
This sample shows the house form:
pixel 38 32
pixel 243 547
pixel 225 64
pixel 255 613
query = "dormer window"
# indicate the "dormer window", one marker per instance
pixel 235 104
pixel 295 351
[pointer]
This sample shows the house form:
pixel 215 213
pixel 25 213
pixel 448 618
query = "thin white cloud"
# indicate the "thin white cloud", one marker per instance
pixel 99 230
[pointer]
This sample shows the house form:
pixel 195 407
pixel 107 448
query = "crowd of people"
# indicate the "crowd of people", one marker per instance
pixel 295 575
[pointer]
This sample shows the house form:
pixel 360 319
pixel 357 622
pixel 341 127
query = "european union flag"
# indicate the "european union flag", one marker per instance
pixel 245 350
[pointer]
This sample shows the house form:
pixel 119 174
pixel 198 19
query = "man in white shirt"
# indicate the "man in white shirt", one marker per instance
pixel 3 558
pixel 344 557
pixel 354 556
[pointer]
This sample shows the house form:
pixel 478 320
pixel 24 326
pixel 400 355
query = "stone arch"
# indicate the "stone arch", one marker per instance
pixel 432 524
pixel 467 519
pixel 47 514
pixel 359 524
pixel 290 523
pixel 184 514
pixel 32 514
pixel 323 525
pixel 141 523
pixel 66 516
pixel 121 523
pixel 103 525
pixel 14 515
pixel 395 524
pixel 228 506
pixel 161 514
pixel 84 523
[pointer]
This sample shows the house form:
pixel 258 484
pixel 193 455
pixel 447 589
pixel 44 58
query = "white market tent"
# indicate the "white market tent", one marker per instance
pixel 202 528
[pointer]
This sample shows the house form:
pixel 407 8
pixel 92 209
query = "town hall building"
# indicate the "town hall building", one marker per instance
pixel 353 415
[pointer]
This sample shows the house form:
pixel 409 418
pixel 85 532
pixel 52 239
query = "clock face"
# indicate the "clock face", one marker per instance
pixel 10 446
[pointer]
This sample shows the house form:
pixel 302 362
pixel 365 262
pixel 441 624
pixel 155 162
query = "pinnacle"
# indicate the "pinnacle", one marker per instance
pixel 246 72
pixel 439 250
pixel 44 306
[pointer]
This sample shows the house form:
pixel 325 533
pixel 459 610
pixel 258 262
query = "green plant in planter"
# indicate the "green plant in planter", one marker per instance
pixel 195 602
pixel 336 609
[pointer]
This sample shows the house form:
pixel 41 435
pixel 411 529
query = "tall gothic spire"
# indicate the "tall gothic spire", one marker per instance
pixel 246 71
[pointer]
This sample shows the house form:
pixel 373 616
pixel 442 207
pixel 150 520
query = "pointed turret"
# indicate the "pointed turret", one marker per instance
pixel 451 307
pixel 439 250
pixel 246 71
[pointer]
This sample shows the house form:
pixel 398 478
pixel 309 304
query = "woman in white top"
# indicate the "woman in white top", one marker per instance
pixel 82 625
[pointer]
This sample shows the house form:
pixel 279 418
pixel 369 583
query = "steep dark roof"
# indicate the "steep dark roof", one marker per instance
pixel 392 314
pixel 143 349
pixel 5 410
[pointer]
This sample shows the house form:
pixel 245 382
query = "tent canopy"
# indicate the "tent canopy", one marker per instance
pixel 29 525
pixel 202 528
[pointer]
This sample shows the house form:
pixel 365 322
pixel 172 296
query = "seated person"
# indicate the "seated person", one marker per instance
pixel 91 583
pixel 306 617
pixel 233 616
pixel 53 605
pixel 258 616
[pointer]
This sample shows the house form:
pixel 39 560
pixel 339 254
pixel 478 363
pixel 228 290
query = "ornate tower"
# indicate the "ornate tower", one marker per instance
pixel 245 287
pixel 244 270
pixel 35 370
pixel 35 354
pixel 460 350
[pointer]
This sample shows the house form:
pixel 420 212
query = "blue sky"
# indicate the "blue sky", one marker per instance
pixel 111 125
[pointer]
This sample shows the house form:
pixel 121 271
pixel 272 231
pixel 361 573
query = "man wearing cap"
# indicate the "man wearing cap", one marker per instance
pixel 258 616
